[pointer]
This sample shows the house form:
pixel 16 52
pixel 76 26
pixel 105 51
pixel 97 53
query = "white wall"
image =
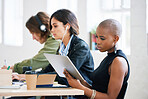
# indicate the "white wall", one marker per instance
pixel 138 81
pixel 30 47
pixel 139 57
pixel 82 17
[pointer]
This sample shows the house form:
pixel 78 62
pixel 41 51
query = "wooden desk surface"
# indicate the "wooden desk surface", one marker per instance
pixel 41 92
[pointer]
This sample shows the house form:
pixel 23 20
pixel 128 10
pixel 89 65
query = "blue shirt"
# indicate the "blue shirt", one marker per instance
pixel 64 50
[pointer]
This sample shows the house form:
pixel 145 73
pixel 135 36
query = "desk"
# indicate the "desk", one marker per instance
pixel 41 92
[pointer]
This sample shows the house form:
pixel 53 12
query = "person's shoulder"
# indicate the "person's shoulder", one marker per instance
pixel 120 63
pixel 51 39
pixel 119 59
pixel 120 52
pixel 51 43
pixel 79 42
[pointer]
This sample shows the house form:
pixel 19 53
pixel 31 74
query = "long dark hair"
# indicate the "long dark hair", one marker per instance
pixel 33 25
pixel 66 16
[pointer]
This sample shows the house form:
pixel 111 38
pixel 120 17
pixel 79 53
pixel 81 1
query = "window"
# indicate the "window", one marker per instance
pixel 147 16
pixel 53 5
pixel 12 16
pixel 147 23
pixel 100 10
pixel 0 21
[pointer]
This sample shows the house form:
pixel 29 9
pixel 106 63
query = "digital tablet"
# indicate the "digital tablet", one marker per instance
pixel 60 63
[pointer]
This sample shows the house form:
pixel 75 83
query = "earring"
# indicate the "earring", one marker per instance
pixel 115 49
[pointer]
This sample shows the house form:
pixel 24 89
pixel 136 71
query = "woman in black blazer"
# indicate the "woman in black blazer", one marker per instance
pixel 64 26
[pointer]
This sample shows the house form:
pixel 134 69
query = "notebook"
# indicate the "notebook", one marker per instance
pixel 60 62
pixel 10 87
pixel 45 80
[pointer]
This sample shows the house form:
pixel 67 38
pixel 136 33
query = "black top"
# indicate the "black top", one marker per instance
pixel 100 76
pixel 79 54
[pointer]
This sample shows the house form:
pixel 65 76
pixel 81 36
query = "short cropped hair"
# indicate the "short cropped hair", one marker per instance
pixel 113 25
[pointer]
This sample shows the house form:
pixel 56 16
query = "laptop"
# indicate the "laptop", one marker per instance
pixel 60 63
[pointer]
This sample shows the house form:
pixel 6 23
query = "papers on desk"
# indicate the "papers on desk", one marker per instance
pixel 59 86
pixel 53 86
pixel 15 85
pixel 10 87
pixel 18 83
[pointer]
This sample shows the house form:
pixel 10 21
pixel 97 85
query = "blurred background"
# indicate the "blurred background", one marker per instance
pixel 16 42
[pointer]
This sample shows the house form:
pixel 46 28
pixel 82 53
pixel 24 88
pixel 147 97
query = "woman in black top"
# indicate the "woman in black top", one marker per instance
pixel 110 78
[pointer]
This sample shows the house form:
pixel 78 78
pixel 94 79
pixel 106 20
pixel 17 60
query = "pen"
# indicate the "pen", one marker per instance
pixel 5 62
pixel 8 68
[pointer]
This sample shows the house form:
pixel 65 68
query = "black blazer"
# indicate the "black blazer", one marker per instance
pixel 79 54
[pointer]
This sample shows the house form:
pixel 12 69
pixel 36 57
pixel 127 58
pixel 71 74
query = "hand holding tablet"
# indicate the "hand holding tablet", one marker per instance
pixel 60 63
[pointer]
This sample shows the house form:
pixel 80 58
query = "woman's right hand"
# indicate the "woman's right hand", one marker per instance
pixel 12 67
pixel 4 67
pixel 75 83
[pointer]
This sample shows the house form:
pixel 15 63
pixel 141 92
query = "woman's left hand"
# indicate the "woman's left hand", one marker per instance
pixel 72 82
pixel 18 77
pixel 15 76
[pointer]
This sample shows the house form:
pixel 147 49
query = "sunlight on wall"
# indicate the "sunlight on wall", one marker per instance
pixel 53 5
pixel 99 10
pixel 12 19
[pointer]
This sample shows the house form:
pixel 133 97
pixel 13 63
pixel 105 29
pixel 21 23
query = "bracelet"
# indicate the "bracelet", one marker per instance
pixel 93 94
